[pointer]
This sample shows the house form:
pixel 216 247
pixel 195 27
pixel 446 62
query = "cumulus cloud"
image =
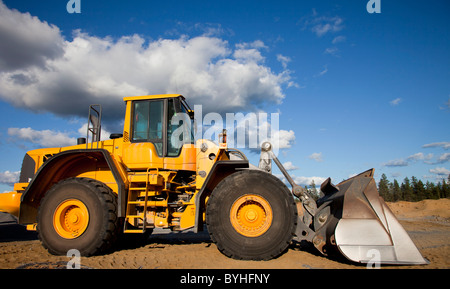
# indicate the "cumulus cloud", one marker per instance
pixel 289 166
pixel 26 41
pixel 9 178
pixel 49 73
pixel 49 138
pixel 302 180
pixel 306 181
pixel 316 156
pixel 42 138
pixel 440 171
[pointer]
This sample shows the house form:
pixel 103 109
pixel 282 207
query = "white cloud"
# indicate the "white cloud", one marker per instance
pixel 9 178
pixel 43 138
pixel 302 180
pixel 289 166
pixel 445 157
pixel 332 51
pixel 396 163
pixel 338 39
pixel 323 72
pixel 284 60
pixel 63 77
pixel 50 138
pixel 284 138
pixel 419 156
pixel 396 101
pixel 306 181
pixel 321 25
pixel 316 156
pixel 26 41
pixel 445 145
pixel 440 171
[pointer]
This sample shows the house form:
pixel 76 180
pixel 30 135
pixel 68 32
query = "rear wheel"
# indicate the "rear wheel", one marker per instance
pixel 78 213
pixel 251 215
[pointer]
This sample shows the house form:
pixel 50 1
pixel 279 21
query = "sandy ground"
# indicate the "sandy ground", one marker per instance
pixel 427 222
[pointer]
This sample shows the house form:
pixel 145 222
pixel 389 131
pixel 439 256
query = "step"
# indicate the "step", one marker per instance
pixel 136 202
pixel 133 231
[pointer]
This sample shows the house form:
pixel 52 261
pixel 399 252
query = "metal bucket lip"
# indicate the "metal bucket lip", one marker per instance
pixel 368 224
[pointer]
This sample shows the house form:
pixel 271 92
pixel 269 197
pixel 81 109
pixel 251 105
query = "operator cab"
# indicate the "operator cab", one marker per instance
pixel 163 123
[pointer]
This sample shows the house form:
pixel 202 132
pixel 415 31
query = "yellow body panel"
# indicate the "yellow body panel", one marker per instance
pixel 141 156
pixel 185 161
pixel 10 203
pixel 145 97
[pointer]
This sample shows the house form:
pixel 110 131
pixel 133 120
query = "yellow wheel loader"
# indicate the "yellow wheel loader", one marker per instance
pixel 153 175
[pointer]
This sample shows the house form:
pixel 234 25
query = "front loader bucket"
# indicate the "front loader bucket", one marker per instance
pixel 366 229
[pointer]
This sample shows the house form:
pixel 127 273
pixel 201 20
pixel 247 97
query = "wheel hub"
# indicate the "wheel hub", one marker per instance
pixel 71 219
pixel 251 215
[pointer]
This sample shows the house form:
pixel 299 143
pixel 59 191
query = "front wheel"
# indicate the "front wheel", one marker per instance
pixel 251 215
pixel 78 213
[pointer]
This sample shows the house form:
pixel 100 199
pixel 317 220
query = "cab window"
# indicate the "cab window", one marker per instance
pixel 148 123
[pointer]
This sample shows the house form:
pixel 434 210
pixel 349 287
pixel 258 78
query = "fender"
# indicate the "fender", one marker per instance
pixel 59 167
pixel 219 171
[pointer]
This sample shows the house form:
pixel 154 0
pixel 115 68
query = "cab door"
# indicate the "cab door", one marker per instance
pixel 146 148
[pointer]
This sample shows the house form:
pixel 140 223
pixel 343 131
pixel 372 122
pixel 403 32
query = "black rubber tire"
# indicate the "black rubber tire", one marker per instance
pixel 272 242
pixel 102 229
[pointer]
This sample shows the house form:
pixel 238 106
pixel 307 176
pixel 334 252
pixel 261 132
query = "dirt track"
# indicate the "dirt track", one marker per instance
pixel 427 222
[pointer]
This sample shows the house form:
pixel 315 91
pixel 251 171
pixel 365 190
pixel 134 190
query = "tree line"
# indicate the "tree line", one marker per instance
pixel 412 190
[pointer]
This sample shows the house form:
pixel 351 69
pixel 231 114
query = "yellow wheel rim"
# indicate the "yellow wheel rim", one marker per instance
pixel 71 219
pixel 251 215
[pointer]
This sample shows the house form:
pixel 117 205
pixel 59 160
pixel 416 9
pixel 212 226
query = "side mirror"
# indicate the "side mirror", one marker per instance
pixel 115 135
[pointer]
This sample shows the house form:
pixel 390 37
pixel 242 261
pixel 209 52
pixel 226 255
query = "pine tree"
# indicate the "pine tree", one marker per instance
pixel 396 192
pixel 383 188
pixel 445 193
pixel 419 190
pixel 407 192
pixel 313 190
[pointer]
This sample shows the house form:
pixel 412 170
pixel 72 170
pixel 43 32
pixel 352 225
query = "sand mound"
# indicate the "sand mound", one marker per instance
pixel 438 208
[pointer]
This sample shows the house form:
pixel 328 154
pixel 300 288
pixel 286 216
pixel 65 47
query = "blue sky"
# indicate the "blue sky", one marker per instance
pixel 353 90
